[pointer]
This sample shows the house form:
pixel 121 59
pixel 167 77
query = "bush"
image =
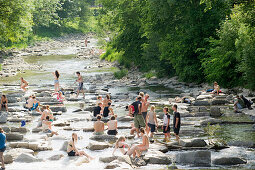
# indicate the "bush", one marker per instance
pixel 150 74
pixel 121 73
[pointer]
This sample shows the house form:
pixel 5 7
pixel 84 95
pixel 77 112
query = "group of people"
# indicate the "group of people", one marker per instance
pixel 241 102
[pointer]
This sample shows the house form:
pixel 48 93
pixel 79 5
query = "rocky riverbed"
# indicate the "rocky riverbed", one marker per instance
pixel 28 147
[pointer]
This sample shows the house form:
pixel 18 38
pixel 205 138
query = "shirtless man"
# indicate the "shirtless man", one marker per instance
pixel 99 126
pixel 80 87
pixel 145 105
pixel 23 84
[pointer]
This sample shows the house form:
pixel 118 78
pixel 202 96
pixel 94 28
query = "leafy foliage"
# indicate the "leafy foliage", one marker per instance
pixel 121 73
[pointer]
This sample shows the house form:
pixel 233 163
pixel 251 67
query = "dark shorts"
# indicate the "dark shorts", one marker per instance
pixel 80 87
pixel 72 153
pixel 3 105
pixel 166 131
pixel 3 149
pixel 112 132
pixel 152 127
pixel 176 130
pixel 144 115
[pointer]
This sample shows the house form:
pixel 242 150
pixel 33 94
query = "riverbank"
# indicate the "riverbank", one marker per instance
pixel 75 115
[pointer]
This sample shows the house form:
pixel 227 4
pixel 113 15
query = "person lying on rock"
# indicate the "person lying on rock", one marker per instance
pixel 112 126
pixel 99 126
pixel 247 103
pixel 122 145
pixel 23 84
pixel 4 103
pixel 108 110
pixel 46 126
pixel 145 145
pixel 216 88
pixel 98 109
pixel 72 150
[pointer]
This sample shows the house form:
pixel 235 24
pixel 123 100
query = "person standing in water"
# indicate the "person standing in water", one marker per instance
pixel 2 146
pixel 56 80
pixel 166 125
pixel 80 87
pixel 176 123
pixel 4 103
pixel 23 84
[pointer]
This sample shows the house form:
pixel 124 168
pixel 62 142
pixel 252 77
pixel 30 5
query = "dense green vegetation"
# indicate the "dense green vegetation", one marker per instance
pixel 207 40
pixel 22 21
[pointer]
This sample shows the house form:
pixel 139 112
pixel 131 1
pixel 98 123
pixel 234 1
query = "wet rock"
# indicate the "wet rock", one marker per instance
pixel 64 146
pixel 112 165
pixel 88 129
pixel 215 112
pixel 26 158
pixel 58 108
pixel 196 143
pixel 201 103
pixel 248 144
pixel 157 157
pixel 130 136
pixel 20 129
pixel 36 130
pixel 97 146
pixel 14 136
pixel 104 138
pixel 219 102
pixel 3 117
pixel 228 161
pixel 108 159
pixel 90 109
pixel 211 122
pixel 77 110
pixel 61 124
pixel 6 129
pixel 56 157
pixel 172 167
pixel 125 118
pixel 139 162
pixel 194 158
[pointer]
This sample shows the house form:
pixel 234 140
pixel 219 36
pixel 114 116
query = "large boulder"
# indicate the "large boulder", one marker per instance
pixel 58 108
pixel 19 129
pixel 14 136
pixel 215 112
pixel 125 118
pixel 194 158
pixel 248 144
pixel 11 155
pixel 219 102
pixel 26 158
pixel 104 138
pixel 201 103
pixel 196 143
pixel 107 159
pixel 157 157
pixel 64 146
pixel 3 117
pixel 229 161
pixel 97 146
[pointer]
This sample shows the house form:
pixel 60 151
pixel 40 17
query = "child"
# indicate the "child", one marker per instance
pixel 166 123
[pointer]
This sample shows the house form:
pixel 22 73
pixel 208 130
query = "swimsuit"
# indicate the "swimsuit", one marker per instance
pixel 112 132
pixel 106 112
pixel 71 153
pixel 80 87
pixel 56 81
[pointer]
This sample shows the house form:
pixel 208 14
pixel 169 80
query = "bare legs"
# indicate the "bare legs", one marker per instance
pixel 81 153
pixel 56 85
pixel 2 159
pixel 23 87
pixel 78 92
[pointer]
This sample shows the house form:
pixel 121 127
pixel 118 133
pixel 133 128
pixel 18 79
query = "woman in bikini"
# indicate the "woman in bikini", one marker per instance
pixel 121 145
pixel 23 84
pixel 107 100
pixel 72 150
pixel 4 103
pixel 56 81
pixel 46 126
pixel 145 145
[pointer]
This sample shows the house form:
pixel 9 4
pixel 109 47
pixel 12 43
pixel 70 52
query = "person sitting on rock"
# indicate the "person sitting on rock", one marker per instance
pixel 29 103
pixel 247 103
pixel 60 96
pixel 46 126
pixel 107 100
pixel 112 126
pixel 2 146
pixel 152 121
pixel 72 150
pixel 99 100
pixel 98 110
pixel 23 84
pixel 121 145
pixel 216 88
pixel 99 126
pixel 108 110
pixel 133 129
pixel 145 145
pixel 35 104
pixel 238 104
pixel 4 103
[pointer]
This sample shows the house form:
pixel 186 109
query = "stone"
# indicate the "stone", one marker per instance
pixel 228 161
pixel 195 158
pixel 6 129
pixel 204 96
pixel 125 118
pixel 56 157
pixel 219 102
pixel 211 122
pixel 61 124
pixel 107 159
pixel 14 136
pixel 58 108
pixel 112 165
pixel 8 158
pixel 20 129
pixel 97 146
pixel 248 144
pixel 104 138
pixel 33 145
pixel 19 144
pixel 215 112
pixel 196 143
pixel 88 129
pixel 36 130
pixel 157 157
pixel 3 117
pixel 26 158
pixel 201 103
pixel 64 146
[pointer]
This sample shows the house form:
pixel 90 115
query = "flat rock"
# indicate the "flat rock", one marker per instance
pixel 248 144
pixel 3 117
pixel 215 112
pixel 194 158
pixel 104 138
pixel 97 146
pixel 107 159
pixel 26 158
pixel 157 157
pixel 125 118
pixel 14 136
pixel 19 129
pixel 64 146
pixel 56 157
pixel 201 103
pixel 88 129
pixel 228 161
pixel 219 102
pixel 196 143
pixel 211 122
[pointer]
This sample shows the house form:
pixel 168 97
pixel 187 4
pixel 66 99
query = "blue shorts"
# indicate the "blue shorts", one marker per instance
pixel 3 149
pixel 80 87
pixel 152 127
pixel 56 81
